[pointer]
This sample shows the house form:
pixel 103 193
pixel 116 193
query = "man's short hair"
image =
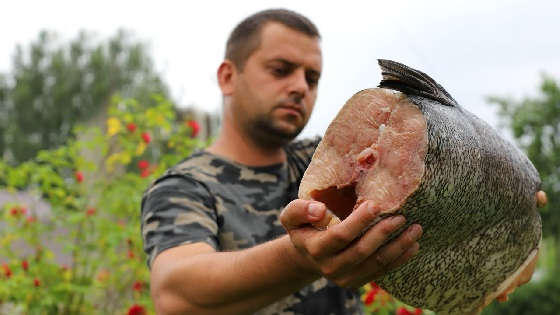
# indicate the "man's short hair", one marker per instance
pixel 245 37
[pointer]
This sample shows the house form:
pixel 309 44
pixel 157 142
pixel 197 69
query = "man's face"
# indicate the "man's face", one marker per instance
pixel 274 95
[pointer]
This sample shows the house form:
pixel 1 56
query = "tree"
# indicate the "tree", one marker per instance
pixel 54 85
pixel 535 123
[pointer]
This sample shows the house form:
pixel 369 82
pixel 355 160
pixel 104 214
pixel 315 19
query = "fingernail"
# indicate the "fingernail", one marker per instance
pixel 315 209
pixel 398 220
pixel 415 231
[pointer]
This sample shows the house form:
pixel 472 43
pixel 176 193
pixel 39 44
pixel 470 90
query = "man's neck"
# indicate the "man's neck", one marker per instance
pixel 243 150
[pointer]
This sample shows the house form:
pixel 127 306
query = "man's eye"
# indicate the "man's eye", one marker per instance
pixel 280 71
pixel 312 80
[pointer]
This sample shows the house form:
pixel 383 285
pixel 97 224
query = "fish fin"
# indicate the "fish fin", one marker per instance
pixel 402 78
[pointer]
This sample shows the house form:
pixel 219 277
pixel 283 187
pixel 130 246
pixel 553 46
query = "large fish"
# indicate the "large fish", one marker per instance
pixel 411 148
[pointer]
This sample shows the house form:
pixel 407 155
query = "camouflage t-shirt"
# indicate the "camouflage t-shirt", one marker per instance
pixel 230 206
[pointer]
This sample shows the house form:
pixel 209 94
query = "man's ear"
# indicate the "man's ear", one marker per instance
pixel 227 73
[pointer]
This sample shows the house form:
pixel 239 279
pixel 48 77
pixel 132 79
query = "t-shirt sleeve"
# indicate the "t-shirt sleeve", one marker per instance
pixel 177 210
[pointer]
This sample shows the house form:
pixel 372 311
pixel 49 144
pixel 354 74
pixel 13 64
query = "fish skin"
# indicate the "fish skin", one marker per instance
pixel 475 196
pixel 476 203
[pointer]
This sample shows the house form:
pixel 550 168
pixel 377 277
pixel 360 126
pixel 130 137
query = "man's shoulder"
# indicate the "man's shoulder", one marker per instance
pixel 199 162
pixel 305 144
pixel 193 172
pixel 301 151
pixel 209 164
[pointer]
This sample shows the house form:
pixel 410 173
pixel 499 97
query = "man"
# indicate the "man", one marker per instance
pixel 215 225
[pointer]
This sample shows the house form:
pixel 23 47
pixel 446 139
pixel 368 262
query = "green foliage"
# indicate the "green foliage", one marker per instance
pixel 54 85
pixel 94 189
pixel 534 298
pixel 539 296
pixel 535 122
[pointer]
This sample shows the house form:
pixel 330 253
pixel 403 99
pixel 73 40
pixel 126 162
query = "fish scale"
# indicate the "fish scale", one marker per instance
pixel 475 200
pixel 466 150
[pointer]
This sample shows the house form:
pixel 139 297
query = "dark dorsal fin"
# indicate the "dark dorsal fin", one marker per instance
pixel 399 77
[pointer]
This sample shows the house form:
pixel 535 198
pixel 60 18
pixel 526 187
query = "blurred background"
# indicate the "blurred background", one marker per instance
pixel 78 118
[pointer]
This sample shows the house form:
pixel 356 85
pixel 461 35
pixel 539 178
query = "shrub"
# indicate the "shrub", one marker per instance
pixel 93 186
pixel 378 301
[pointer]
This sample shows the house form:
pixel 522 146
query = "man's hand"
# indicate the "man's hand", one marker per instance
pixel 541 199
pixel 348 253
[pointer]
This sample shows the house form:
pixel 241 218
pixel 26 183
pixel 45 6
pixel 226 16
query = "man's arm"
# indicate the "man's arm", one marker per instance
pixel 195 279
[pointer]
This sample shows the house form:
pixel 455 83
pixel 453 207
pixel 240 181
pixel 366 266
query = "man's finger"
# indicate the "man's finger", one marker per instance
pixel 363 247
pixel 411 252
pixel 372 240
pixel 340 235
pixel 300 212
pixel 328 220
pixel 375 272
pixel 386 257
pixel 541 199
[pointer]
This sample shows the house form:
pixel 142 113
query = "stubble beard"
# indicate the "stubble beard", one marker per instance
pixel 268 135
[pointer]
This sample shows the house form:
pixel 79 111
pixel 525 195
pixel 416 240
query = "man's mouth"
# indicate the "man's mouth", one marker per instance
pixel 293 109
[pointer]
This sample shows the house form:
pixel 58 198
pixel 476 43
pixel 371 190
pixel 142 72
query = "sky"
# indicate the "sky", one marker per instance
pixel 473 48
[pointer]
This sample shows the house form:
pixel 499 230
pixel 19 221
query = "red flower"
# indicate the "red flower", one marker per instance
pixel 417 311
pixel 370 297
pixel 146 137
pixel 79 176
pixel 14 211
pixel 403 311
pixel 37 282
pixel 195 127
pixel 131 254
pixel 30 219
pixel 24 265
pixel 145 173
pixel 90 211
pixel 136 310
pixel 137 286
pixel 131 127
pixel 7 270
pixel 143 164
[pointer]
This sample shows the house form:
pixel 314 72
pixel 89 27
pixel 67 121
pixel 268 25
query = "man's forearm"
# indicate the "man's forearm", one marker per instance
pixel 233 282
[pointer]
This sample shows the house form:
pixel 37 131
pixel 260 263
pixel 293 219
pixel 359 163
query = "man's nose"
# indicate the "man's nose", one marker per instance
pixel 298 83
